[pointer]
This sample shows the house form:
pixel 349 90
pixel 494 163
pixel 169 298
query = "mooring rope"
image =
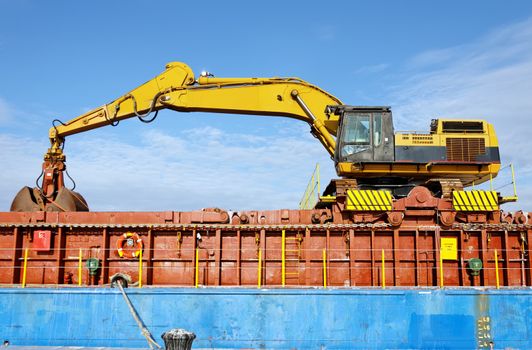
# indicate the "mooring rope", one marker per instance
pixel 143 329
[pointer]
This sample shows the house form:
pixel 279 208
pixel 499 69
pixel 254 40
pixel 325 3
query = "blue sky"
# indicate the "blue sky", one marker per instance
pixel 464 59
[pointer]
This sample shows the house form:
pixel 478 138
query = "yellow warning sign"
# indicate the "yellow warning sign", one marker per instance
pixel 449 248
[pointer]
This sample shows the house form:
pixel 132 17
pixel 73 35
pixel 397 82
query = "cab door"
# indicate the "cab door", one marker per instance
pixel 382 136
pixel 365 135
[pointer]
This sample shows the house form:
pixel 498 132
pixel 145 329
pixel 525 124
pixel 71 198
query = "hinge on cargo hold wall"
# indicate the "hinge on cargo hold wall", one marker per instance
pixel 346 240
pixel 179 241
pixel 257 243
pixel 522 238
pixel 299 238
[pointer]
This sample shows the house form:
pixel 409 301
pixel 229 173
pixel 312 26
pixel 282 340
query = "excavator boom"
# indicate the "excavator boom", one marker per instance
pixel 177 89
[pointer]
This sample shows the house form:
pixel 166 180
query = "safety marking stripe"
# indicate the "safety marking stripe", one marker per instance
pixel 386 199
pixel 379 201
pixel 457 199
pixel 350 200
pixel 360 200
pixel 464 203
pixel 369 200
pixel 390 199
pixel 465 199
pixel 475 200
pixel 472 201
pixel 492 198
pixel 374 203
pixel 478 202
pixel 485 200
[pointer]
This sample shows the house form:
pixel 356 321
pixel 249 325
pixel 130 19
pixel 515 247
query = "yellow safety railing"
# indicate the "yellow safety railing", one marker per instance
pixel 312 193
pixel 511 198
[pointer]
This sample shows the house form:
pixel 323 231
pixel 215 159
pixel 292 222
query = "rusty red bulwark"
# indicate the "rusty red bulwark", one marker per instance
pixel 413 239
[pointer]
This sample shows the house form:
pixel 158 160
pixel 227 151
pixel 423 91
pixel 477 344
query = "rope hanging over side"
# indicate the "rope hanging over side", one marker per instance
pixel 143 329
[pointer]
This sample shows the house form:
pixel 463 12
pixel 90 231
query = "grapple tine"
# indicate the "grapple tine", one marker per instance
pixel 28 199
pixel 25 201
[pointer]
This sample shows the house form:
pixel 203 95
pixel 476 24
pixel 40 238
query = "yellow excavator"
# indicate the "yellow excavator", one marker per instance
pixel 367 153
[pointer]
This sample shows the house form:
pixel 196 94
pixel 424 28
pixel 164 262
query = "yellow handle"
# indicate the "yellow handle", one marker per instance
pixel 283 258
pixel 140 268
pixel 496 269
pixel 196 278
pixel 383 270
pixel 25 268
pixel 441 269
pixel 324 268
pixel 80 263
pixel 259 270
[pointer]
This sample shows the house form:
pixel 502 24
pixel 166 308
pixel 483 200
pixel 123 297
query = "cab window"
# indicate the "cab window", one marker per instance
pixel 377 129
pixel 356 135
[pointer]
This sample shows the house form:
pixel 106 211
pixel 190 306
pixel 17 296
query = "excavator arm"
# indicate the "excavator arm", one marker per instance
pixel 177 89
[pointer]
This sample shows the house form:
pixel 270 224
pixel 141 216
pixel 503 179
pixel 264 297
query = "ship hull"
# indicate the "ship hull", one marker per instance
pixel 236 318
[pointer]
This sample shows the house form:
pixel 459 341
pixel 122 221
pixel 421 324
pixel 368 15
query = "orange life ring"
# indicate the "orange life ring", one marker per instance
pixel 131 237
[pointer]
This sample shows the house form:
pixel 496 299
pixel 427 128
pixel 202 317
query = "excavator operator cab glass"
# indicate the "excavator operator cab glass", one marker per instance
pixel 356 134
pixel 365 134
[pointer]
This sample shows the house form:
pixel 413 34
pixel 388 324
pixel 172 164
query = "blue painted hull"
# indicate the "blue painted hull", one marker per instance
pixel 272 319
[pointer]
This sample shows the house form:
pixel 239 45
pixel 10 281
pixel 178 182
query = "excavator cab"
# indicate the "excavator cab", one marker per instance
pixel 365 134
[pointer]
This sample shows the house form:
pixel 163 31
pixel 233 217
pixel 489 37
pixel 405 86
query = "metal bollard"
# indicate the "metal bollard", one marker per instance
pixel 178 339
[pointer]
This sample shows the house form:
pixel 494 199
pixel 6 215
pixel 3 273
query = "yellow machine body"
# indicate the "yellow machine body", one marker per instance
pixel 361 140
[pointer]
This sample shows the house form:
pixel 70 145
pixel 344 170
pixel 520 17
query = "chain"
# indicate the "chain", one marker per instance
pixel 361 226
pixel 202 226
pixel 492 227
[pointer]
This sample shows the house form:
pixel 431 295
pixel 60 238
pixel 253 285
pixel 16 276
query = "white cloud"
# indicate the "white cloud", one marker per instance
pixel 488 79
pixel 6 113
pixel 326 32
pixel 372 69
pixel 21 158
pixel 202 167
